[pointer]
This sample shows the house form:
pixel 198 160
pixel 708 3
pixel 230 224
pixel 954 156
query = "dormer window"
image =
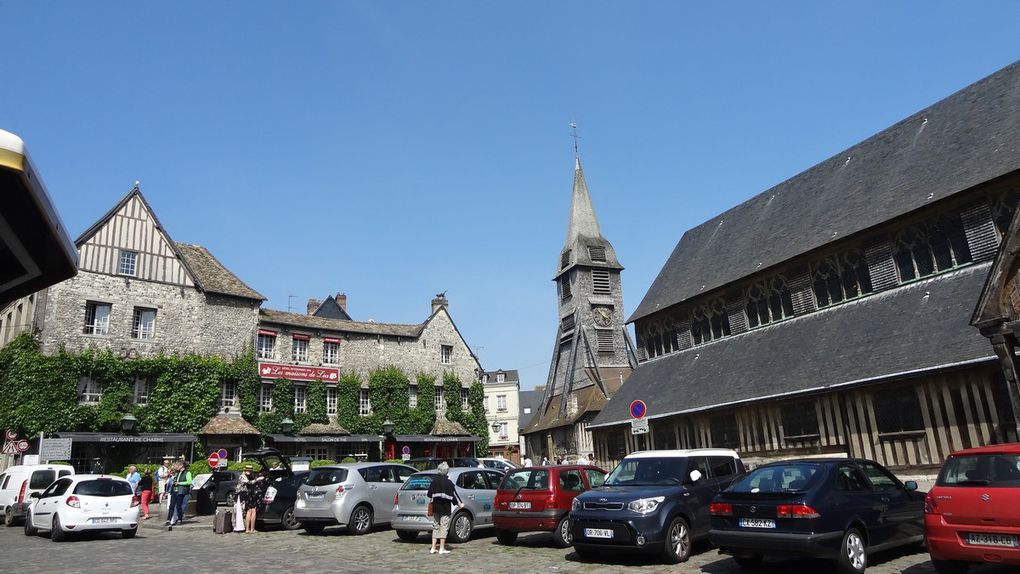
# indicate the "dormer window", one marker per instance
pixel 500 377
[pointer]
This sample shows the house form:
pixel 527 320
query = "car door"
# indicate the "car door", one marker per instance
pixel 855 500
pixel 903 510
pixel 48 502
pixel 476 495
pixel 376 479
pixel 697 495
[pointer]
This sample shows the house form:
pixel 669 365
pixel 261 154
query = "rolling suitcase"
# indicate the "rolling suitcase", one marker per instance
pixel 223 521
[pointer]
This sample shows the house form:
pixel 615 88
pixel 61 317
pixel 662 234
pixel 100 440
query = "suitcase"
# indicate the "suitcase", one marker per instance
pixel 224 521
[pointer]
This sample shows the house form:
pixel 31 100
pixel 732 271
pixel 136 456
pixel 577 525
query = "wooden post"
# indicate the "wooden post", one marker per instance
pixel 1005 349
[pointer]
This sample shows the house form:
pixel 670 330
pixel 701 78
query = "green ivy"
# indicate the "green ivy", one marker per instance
pixel 347 402
pixel 315 396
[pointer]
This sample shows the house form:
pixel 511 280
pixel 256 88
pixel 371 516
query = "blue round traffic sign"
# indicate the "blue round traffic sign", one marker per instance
pixel 638 409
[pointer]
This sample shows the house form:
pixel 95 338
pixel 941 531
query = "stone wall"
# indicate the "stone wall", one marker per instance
pixel 187 320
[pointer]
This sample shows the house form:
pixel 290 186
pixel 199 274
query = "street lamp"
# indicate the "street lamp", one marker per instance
pixel 128 422
pixel 286 425
pixel 495 426
pixel 387 427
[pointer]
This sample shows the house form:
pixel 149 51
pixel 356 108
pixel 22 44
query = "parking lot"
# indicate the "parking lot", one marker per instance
pixel 195 548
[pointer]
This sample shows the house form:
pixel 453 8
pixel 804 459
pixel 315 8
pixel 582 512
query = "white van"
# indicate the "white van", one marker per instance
pixel 18 482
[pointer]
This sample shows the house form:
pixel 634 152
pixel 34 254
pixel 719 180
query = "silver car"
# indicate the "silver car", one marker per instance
pixel 356 495
pixel 476 487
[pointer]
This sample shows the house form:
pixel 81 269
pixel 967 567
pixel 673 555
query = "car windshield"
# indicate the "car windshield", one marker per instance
pixel 647 472
pixel 41 479
pixel 103 487
pixel 778 478
pixel 417 482
pixel 531 479
pixel 995 470
pixel 326 476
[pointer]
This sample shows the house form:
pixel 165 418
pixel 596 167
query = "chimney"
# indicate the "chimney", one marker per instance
pixel 313 304
pixel 440 301
pixel 341 300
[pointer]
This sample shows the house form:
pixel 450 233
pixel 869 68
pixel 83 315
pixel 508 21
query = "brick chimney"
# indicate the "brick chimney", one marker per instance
pixel 440 301
pixel 313 304
pixel 341 300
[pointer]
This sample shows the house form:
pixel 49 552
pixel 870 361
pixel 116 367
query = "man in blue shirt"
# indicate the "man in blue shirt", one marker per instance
pixel 134 478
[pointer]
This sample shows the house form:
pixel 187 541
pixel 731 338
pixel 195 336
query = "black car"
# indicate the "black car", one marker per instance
pixel 432 463
pixel 279 502
pixel 270 459
pixel 840 509
pixel 653 501
pixel 221 486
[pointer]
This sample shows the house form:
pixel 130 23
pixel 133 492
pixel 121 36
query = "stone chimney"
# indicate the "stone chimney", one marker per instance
pixel 341 300
pixel 313 304
pixel 440 301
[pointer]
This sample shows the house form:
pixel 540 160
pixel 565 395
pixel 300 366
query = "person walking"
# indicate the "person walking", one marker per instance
pixel 443 494
pixel 145 486
pixel 133 479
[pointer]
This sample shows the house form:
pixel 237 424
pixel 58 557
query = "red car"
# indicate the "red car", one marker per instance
pixel 972 514
pixel 538 499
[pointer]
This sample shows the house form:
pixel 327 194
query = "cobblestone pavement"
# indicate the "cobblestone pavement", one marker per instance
pixel 195 548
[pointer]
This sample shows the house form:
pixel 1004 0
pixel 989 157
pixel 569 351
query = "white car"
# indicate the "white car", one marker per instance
pixel 84 502
pixel 499 464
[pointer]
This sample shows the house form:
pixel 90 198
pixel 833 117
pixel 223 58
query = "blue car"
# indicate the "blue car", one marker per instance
pixel 653 501
pixel 840 509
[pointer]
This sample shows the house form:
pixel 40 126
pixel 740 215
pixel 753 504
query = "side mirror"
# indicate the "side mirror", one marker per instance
pixel 35 495
pixel 909 486
pixel 695 475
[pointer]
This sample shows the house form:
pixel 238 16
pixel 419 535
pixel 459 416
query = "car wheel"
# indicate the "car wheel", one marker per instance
pixel 128 533
pixel 949 566
pixel 361 520
pixel 288 520
pixel 407 535
pixel 29 529
pixel 561 536
pixel 9 517
pixel 460 528
pixel 853 555
pixel 313 528
pixel 507 537
pixel 749 561
pixel 231 498
pixel 678 541
pixel 57 534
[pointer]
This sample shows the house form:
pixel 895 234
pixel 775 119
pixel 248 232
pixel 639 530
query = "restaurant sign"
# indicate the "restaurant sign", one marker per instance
pixel 298 372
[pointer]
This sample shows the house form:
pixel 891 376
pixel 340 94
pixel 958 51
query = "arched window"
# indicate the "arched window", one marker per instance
pixel 709 322
pixel 768 301
pixel 841 277
pixel 931 247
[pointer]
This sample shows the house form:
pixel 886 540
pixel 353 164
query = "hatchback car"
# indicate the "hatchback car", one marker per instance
pixel 539 499
pixel 220 486
pixel 279 502
pixel 432 463
pixel 356 495
pixel 475 487
pixel 499 464
pixel 972 514
pixel 84 503
pixel 19 482
pixel 654 501
pixel 840 509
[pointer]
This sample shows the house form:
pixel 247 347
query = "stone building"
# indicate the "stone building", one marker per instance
pixel 592 352
pixel 830 315
pixel 502 391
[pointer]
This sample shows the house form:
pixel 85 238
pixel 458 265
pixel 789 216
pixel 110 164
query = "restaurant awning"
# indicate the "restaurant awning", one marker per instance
pixel 433 438
pixel 288 438
pixel 109 437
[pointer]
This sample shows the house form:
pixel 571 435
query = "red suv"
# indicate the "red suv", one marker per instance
pixel 538 499
pixel 972 514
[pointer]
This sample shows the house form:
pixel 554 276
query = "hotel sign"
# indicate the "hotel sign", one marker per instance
pixel 298 372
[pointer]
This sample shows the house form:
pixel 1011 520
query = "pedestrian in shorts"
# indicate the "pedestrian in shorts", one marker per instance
pixel 443 494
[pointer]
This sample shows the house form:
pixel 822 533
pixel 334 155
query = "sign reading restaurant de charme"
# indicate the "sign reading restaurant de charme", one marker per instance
pixel 297 372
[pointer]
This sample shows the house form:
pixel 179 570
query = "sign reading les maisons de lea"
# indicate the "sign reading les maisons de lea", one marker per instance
pixel 297 372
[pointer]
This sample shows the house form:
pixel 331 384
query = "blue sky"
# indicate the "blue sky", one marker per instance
pixel 392 150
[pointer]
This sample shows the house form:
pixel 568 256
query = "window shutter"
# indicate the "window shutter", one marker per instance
pixel 980 231
pixel 604 337
pixel 683 335
pixel 597 253
pixel 600 282
pixel 735 310
pixel 881 266
pixel 799 283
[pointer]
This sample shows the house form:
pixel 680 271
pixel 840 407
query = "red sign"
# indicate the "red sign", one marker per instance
pixel 638 409
pixel 298 372
pixel 214 460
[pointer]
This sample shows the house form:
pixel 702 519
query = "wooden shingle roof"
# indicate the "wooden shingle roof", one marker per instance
pixel 212 276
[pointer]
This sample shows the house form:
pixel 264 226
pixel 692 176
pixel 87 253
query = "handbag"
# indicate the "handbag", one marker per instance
pixel 429 511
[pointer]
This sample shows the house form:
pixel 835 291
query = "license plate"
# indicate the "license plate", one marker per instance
pixel 980 539
pixel 520 506
pixel 757 523
pixel 104 520
pixel 598 533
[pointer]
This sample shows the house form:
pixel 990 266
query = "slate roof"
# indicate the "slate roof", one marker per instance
pixel 966 139
pixel 920 326
pixel 212 276
pixel 533 399
pixel 331 309
pixel 325 323
pixel 510 376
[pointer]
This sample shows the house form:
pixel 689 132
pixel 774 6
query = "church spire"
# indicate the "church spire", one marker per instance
pixel 583 222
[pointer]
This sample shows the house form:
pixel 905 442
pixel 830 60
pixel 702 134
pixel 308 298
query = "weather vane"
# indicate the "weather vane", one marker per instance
pixel 573 134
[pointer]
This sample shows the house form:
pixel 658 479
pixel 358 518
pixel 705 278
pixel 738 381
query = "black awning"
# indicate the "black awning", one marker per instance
pixel 109 437
pixel 287 438
pixel 432 438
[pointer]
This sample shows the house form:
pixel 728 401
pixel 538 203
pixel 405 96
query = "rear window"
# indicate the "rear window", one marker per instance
pixel 995 470
pixel 647 472
pixel 41 479
pixel 780 478
pixel 530 479
pixel 100 487
pixel 326 476
pixel 417 482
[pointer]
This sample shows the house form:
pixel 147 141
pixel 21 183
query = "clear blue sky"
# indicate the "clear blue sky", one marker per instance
pixel 392 150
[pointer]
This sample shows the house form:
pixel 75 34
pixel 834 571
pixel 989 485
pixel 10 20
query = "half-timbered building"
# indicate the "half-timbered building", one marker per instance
pixel 830 314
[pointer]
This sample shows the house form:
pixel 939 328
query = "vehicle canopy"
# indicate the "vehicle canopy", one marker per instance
pixel 278 464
